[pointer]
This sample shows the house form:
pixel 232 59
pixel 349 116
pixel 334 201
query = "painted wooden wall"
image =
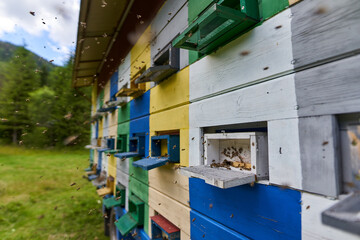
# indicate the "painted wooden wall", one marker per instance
pixel 292 74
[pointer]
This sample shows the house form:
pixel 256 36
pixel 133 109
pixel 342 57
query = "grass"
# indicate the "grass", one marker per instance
pixel 37 201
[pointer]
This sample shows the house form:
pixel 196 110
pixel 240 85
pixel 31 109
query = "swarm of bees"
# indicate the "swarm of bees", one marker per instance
pixel 232 153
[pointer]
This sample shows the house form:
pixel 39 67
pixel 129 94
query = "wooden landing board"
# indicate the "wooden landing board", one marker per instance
pixel 172 210
pixel 263 53
pixel 323 30
pixel 170 182
pixel 258 212
pixel 312 227
pixel 203 227
pixel 219 177
pixel 165 224
pixel 104 191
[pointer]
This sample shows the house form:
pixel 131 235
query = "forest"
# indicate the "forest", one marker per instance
pixel 38 106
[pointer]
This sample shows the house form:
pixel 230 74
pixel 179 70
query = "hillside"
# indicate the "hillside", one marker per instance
pixel 6 53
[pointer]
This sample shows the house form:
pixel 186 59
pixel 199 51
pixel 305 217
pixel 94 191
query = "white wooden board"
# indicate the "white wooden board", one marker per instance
pixel 270 100
pixel 311 225
pixel 284 153
pixel 230 68
pixel 324 30
pixel 170 21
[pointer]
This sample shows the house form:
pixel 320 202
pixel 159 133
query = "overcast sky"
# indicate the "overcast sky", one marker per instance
pixel 51 33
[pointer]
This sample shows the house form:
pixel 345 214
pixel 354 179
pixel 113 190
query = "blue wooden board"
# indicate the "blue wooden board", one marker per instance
pixel 141 126
pixel 113 85
pixel 96 129
pixel 140 106
pixel 258 212
pixel 98 167
pixel 92 177
pixel 150 163
pixel 127 155
pixel 203 227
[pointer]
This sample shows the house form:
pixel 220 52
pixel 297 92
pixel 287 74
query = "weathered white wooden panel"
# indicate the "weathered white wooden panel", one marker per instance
pixel 311 225
pixel 124 71
pixel 261 54
pixel 324 29
pixel 318 137
pixel 123 178
pixel 195 146
pixel 93 130
pixel 284 153
pixel 106 126
pixel 329 89
pixel 267 101
pixel 170 21
pixel 104 162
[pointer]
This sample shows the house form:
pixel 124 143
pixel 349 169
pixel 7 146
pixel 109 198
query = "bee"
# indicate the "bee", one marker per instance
pixel 74 183
pixel 32 13
pixel 138 16
pixel 190 34
pixel 193 138
pixel 232 215
pixel 265 68
pixel 245 53
pixel 278 27
pixel 78 189
pixel 210 205
pixel 307 207
pixel 193 220
pixel 325 143
pixel 55 207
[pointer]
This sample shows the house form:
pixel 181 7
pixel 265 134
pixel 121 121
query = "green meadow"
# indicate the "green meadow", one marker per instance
pixel 37 201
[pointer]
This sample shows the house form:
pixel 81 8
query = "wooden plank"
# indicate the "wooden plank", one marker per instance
pixel 140 106
pixel 170 93
pixel 261 54
pixel 170 21
pixel 221 178
pixel 106 126
pixel 262 102
pixel 104 191
pixel 124 113
pixel 258 212
pixel 312 227
pixel 112 166
pixel 319 151
pixel 170 182
pixel 138 173
pixel 203 227
pixel 124 71
pixel 341 94
pixel 139 188
pixel 107 91
pixel 113 119
pixel 141 54
pixel 123 178
pixel 284 153
pixel 171 209
pixel 324 30
pixel 176 118
pixel 196 156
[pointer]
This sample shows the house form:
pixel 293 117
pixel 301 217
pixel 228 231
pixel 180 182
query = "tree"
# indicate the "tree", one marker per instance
pixel 21 78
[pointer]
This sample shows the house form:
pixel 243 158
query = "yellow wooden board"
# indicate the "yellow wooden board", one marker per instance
pixel 104 191
pixel 172 210
pixel 95 157
pixel 112 168
pixel 170 93
pixel 169 181
pixel 141 55
pixel 100 130
pixel 174 119
pixel 291 2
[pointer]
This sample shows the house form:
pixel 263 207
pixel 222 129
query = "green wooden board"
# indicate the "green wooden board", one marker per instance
pixel 124 113
pixel 126 223
pixel 112 202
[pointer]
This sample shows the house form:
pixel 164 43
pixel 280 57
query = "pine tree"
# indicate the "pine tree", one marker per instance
pixel 21 78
